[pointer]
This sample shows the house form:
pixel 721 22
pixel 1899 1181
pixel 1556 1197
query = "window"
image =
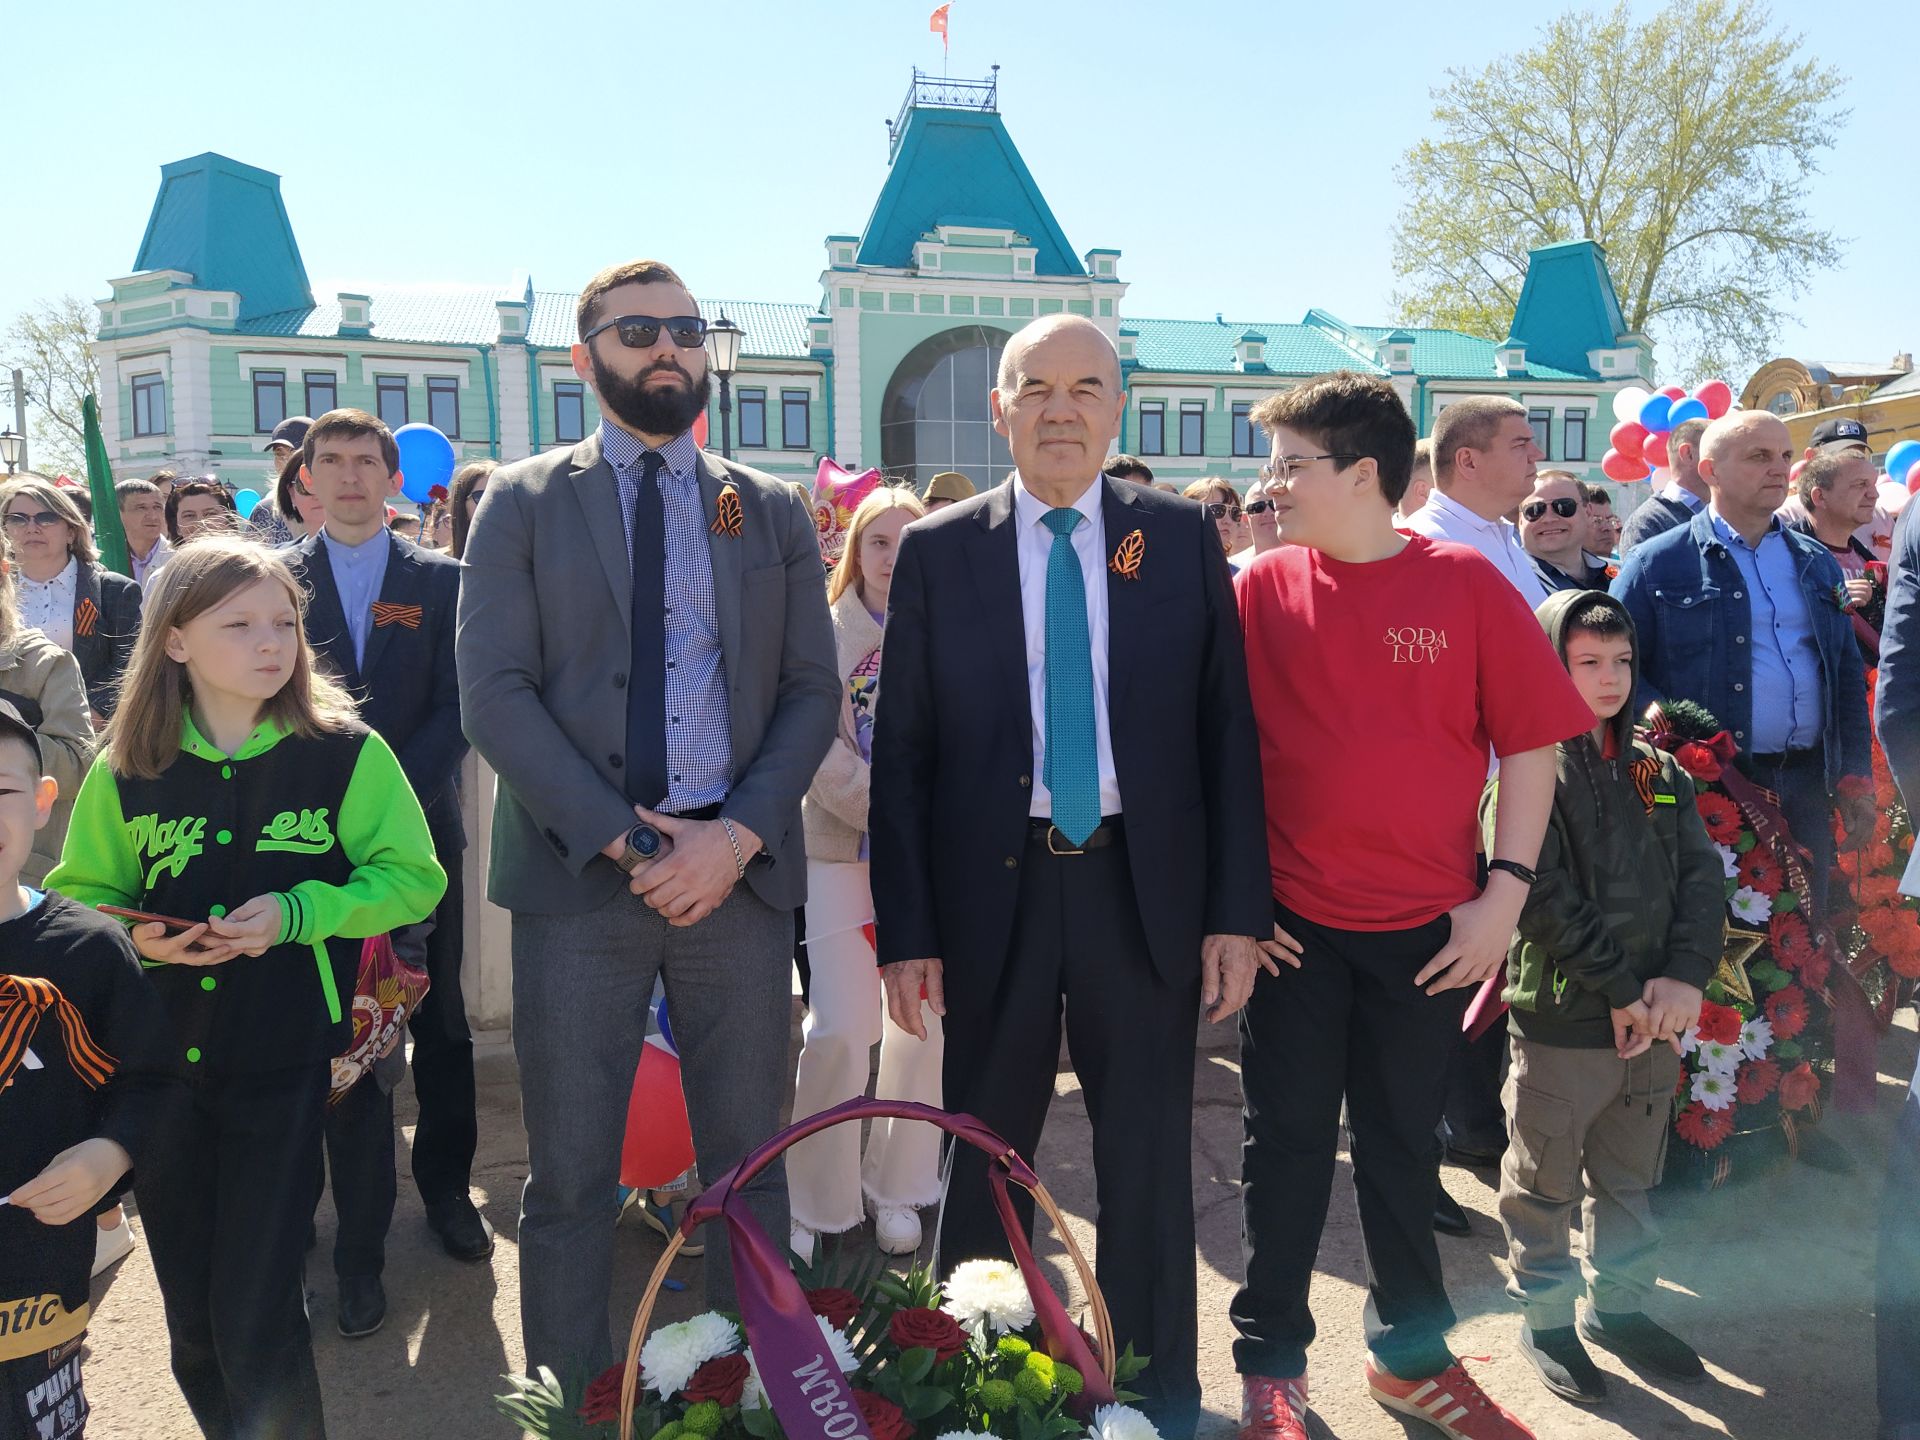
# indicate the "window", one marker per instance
pixel 1193 427
pixel 322 392
pixel 149 405
pixel 1784 402
pixel 1573 436
pixel 753 419
pixel 934 414
pixel 795 420
pixel 269 400
pixel 443 405
pixel 1542 423
pixel 569 411
pixel 1153 427
pixel 390 400
pixel 1248 438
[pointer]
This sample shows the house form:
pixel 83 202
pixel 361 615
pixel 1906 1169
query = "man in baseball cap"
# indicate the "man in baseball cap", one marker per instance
pixel 288 436
pixel 1834 436
pixel 945 488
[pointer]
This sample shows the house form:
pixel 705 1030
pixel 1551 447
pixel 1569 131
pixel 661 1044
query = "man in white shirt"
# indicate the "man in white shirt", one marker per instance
pixel 1484 463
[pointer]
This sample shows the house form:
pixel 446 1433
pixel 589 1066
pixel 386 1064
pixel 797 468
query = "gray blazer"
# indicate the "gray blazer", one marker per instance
pixel 543 645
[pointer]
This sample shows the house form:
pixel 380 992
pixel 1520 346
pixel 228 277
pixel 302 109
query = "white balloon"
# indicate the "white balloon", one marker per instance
pixel 1627 402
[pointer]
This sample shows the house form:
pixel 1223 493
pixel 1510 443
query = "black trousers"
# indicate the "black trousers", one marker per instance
pixel 223 1200
pixel 360 1145
pixel 1349 1023
pixel 1799 778
pixel 1078 945
pixel 1897 1277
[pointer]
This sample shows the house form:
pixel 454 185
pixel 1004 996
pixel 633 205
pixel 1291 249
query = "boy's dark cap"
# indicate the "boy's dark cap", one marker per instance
pixel 11 723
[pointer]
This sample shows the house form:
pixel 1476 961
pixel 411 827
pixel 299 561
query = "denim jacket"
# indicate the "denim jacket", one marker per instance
pixel 1689 605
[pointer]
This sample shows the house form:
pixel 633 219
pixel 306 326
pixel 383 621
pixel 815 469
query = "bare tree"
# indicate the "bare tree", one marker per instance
pixel 53 344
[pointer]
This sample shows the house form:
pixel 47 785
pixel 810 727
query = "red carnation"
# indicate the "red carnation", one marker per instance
pixel 1760 870
pixel 1702 1127
pixel 885 1420
pixel 1799 1087
pixel 1719 1024
pixel 601 1404
pixel 1698 761
pixel 836 1305
pixel 933 1330
pixel 1905 964
pixel 721 1379
pixel 1792 943
pixel 1720 815
pixel 1880 890
pixel 1787 1012
pixel 1757 1080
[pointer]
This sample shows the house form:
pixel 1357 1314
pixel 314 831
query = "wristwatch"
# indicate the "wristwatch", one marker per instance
pixel 644 845
pixel 1514 868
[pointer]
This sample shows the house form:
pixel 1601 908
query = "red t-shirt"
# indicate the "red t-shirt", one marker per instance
pixel 1378 690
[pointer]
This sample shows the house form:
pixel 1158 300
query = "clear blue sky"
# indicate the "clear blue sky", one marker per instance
pixel 731 138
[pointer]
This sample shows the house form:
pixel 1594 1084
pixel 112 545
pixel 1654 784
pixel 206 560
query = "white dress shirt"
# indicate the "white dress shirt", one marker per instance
pixel 1443 518
pixel 1035 545
pixel 47 605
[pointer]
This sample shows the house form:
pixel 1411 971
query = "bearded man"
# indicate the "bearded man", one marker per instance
pixel 647 662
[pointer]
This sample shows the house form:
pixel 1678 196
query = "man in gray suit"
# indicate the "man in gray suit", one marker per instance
pixel 643 636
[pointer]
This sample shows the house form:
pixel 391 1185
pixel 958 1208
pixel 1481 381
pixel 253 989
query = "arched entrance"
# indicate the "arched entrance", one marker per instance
pixel 934 415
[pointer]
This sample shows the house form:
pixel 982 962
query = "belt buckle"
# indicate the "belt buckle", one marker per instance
pixel 1053 830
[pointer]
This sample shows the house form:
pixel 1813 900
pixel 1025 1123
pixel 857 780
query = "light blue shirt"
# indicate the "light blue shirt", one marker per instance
pixel 1789 696
pixel 358 571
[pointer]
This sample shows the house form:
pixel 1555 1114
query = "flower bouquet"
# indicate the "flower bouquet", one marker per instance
pixel 1878 928
pixel 848 1350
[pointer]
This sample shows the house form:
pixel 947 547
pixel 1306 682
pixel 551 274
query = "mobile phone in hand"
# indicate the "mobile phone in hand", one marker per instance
pixel 147 917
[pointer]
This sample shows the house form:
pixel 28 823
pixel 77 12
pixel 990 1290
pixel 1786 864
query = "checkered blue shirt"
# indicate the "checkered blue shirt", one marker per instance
pixel 699 728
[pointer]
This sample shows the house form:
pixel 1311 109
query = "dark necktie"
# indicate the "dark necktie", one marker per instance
pixel 647 686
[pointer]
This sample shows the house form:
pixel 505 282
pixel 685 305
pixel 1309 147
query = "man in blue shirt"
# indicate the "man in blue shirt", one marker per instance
pixel 1680 499
pixel 1747 617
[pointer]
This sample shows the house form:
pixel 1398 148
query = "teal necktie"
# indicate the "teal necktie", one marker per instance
pixel 1073 756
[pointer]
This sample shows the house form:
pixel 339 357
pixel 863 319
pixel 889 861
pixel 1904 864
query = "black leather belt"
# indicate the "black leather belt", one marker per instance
pixel 1814 756
pixel 705 812
pixel 1042 832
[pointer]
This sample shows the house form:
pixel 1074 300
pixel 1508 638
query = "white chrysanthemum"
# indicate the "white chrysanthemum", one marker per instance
pixel 1729 861
pixel 1690 1041
pixel 1720 1059
pixel 673 1352
pixel 1756 1037
pixel 1751 906
pixel 1713 1090
pixel 1121 1422
pixel 989 1292
pixel 753 1395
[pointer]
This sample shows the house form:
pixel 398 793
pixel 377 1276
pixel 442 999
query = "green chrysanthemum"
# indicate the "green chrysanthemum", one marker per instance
pixel 1033 1387
pixel 703 1418
pixel 1041 1365
pixel 672 1430
pixel 1067 1380
pixel 1012 1347
pixel 996 1396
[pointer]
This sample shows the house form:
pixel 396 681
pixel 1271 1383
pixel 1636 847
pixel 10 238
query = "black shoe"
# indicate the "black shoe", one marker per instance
pixel 1481 1150
pixel 1634 1337
pixel 1564 1365
pixel 463 1230
pixel 363 1305
pixel 1449 1218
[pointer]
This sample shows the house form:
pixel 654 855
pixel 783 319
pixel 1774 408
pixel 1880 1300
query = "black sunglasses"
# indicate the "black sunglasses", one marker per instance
pixel 1259 507
pixel 638 332
pixel 1565 509
pixel 1220 510
pixel 40 519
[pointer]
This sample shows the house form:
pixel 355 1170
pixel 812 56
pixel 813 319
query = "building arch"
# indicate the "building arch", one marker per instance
pixel 934 414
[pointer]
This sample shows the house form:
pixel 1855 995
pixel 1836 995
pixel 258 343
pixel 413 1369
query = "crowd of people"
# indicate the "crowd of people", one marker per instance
pixel 248 750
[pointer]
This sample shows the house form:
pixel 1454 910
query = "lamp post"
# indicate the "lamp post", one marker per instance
pixel 723 355
pixel 13 448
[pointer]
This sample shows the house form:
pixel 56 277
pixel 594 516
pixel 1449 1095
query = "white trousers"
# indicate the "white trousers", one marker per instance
pixel 846 1017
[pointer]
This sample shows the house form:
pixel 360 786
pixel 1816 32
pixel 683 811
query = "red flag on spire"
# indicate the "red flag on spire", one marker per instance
pixel 937 22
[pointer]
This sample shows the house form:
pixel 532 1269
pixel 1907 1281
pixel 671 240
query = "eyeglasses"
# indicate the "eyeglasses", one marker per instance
pixel 1259 507
pixel 39 520
pixel 638 332
pixel 1287 466
pixel 1220 510
pixel 1564 508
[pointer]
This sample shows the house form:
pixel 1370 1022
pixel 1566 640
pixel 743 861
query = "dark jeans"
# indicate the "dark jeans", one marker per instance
pixel 1078 945
pixel 1473 1110
pixel 1800 780
pixel 1897 1285
pixel 224 1200
pixel 1349 1023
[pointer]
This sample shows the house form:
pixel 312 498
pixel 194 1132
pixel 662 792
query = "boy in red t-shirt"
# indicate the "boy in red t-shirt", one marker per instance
pixel 1359 636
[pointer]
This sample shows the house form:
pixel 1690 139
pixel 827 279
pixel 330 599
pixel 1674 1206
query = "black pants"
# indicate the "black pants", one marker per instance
pixel 1473 1110
pixel 1078 941
pixel 223 1199
pixel 1348 1023
pixel 1897 1282
pixel 1800 780
pixel 360 1146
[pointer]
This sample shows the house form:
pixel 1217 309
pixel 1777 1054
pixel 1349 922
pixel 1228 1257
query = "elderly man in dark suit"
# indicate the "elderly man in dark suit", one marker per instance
pixel 1067 814
pixel 380 615
pixel 643 638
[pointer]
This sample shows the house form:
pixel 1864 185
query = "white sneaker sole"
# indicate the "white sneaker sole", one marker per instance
pixel 1442 1403
pixel 112 1246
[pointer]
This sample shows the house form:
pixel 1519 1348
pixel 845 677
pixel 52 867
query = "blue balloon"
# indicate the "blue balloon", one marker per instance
pixel 1653 414
pixel 1685 410
pixel 1900 460
pixel 426 460
pixel 244 501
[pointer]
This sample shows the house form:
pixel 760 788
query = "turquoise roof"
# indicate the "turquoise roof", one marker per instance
pixel 1567 307
pixel 223 223
pixel 1451 355
pixel 1207 347
pixel 960 167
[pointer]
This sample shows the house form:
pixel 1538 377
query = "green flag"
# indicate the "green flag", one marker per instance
pixel 109 535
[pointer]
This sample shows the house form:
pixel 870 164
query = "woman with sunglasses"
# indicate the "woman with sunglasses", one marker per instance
pixel 64 592
pixel 1554 533
pixel 1222 504
pixel 463 498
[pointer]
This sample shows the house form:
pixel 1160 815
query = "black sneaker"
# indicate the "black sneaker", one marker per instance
pixel 363 1305
pixel 1449 1218
pixel 1564 1365
pixel 1634 1337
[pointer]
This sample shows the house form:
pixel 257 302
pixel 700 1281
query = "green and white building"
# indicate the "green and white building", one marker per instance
pixel 217 334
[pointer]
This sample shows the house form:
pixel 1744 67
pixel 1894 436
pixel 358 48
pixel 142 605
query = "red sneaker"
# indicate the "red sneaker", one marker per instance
pixel 1452 1402
pixel 1273 1409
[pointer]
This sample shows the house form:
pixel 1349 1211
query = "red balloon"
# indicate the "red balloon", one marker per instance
pixel 1672 392
pixel 1913 481
pixel 1628 437
pixel 1793 475
pixel 1717 396
pixel 1616 466
pixel 1656 452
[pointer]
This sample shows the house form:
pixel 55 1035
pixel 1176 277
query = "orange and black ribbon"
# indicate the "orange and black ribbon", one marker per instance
pixel 24 1000
pixel 1126 560
pixel 86 616
pixel 386 613
pixel 1645 771
pixel 728 518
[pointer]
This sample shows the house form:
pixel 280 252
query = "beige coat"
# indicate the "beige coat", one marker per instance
pixel 34 669
pixel 835 808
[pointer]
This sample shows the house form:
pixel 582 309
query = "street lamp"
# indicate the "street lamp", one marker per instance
pixel 13 449
pixel 723 357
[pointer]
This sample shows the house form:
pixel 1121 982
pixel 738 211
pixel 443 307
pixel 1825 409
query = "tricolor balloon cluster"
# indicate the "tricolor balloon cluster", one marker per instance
pixel 1637 445
pixel 1903 464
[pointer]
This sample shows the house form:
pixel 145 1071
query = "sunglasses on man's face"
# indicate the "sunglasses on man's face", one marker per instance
pixel 1220 510
pixel 1534 509
pixel 639 332
pixel 1259 507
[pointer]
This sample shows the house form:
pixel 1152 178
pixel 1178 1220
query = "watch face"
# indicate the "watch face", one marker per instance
pixel 645 841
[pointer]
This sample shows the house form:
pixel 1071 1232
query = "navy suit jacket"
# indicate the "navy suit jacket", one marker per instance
pixel 1896 711
pixel 953 739
pixel 407 686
